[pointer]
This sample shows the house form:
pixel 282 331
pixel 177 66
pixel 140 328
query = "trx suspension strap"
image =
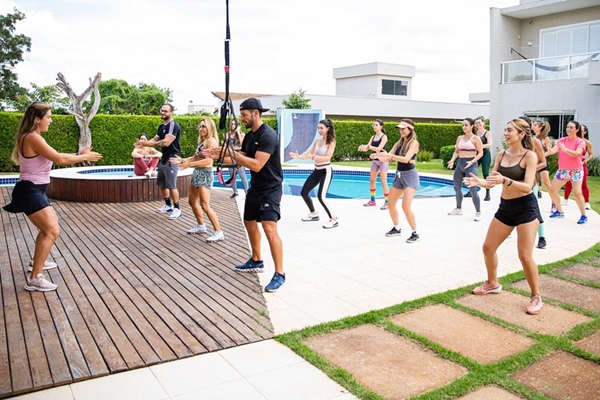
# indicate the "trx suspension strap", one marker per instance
pixel 226 111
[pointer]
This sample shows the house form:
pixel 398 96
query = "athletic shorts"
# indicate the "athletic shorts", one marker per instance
pixel 406 179
pixel 569 175
pixel 262 208
pixel 379 166
pixel 519 211
pixel 28 198
pixel 167 175
pixel 202 177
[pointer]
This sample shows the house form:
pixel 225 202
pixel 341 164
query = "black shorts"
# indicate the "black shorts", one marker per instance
pixel 28 198
pixel 518 211
pixel 262 208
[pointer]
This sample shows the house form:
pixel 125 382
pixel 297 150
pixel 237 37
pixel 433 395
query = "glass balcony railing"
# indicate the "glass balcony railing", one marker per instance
pixel 548 69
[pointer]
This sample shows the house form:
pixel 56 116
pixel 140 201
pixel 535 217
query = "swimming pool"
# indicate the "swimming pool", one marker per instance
pixel 355 184
pixel 346 184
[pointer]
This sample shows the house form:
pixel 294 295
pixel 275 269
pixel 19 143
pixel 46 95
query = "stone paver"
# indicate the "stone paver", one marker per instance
pixel 561 375
pixel 568 292
pixel 591 343
pixel 581 271
pixel 510 307
pixel 463 333
pixel 390 365
pixel 490 393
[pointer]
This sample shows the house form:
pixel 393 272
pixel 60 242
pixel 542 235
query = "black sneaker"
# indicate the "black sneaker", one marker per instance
pixel 539 194
pixel 413 238
pixel 393 232
pixel 541 243
pixel 233 196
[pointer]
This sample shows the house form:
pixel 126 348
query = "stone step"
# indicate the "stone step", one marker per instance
pixel 581 271
pixel 388 364
pixel 567 292
pixel 510 307
pixel 562 375
pixel 463 333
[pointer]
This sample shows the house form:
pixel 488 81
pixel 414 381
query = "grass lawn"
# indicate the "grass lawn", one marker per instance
pixel 436 167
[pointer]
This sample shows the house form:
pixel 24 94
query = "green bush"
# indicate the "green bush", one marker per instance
pixel 114 135
pixel 446 154
pixel 425 155
pixel 594 167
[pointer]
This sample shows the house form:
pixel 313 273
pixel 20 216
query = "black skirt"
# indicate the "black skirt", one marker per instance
pixel 28 198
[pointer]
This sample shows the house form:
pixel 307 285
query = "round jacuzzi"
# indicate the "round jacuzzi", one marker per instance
pixel 108 184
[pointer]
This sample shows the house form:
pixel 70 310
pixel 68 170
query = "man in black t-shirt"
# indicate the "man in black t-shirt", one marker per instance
pixel 168 137
pixel 260 153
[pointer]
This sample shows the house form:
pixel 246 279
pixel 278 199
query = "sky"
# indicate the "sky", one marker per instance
pixel 277 46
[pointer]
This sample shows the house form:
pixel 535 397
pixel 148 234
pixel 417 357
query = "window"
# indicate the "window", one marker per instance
pixel 567 40
pixel 558 123
pixel 394 88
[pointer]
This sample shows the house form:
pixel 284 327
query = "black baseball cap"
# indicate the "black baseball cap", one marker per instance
pixel 252 104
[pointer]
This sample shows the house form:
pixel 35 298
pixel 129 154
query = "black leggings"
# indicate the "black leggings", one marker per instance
pixel 321 177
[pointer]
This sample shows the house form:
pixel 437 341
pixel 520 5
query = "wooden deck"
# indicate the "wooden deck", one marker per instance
pixel 134 290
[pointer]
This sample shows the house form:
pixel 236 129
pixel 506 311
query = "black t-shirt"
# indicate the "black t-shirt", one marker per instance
pixel 270 178
pixel 174 149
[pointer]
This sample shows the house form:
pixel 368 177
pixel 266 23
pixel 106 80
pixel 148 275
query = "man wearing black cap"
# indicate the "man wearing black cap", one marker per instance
pixel 260 154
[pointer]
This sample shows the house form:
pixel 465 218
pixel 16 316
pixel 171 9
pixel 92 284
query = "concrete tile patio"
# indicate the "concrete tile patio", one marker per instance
pixel 333 274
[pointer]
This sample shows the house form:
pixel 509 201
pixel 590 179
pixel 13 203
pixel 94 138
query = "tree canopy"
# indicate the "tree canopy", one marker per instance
pixel 119 97
pixel 297 101
pixel 12 47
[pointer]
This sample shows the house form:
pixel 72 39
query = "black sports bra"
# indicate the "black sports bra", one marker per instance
pixel 514 172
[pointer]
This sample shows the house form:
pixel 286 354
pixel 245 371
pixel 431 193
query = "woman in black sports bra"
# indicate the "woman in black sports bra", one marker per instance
pixel 514 169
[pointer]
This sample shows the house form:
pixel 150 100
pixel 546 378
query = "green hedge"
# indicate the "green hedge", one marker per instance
pixel 114 135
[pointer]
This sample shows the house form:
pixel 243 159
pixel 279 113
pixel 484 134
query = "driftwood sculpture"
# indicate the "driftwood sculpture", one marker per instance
pixel 83 119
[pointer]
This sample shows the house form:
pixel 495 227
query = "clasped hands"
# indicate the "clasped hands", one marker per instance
pixel 495 178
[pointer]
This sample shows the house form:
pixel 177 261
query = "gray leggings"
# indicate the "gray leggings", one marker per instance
pixel 459 173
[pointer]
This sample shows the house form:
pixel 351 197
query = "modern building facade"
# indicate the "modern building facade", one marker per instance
pixel 376 90
pixel 545 63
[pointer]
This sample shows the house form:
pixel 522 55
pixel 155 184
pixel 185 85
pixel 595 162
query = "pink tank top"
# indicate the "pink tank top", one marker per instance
pixel 35 169
pixel 567 161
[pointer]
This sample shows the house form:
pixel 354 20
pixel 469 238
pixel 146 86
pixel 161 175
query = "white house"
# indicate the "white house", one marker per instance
pixel 545 63
pixel 375 90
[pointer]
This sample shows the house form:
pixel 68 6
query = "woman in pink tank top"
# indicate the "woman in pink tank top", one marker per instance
pixel 570 151
pixel 35 158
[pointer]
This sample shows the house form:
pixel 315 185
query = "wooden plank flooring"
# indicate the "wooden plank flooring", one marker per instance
pixel 134 290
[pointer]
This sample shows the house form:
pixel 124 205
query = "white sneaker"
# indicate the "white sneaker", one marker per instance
pixel 588 206
pixel 164 209
pixel 565 202
pixel 40 284
pixel 197 229
pixel 332 223
pixel 477 216
pixel 47 265
pixel 175 214
pixel 456 211
pixel 148 174
pixel 218 236
pixel 311 217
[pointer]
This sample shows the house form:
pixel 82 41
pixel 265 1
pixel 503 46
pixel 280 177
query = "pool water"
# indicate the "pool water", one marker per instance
pixel 355 185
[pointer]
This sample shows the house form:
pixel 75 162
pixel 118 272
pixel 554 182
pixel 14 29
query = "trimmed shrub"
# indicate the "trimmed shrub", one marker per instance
pixel 425 155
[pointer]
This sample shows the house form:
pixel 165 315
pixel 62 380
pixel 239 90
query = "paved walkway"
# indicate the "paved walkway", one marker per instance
pixel 333 274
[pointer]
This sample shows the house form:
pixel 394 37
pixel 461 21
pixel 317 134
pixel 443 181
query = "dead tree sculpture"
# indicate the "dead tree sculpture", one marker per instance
pixel 83 119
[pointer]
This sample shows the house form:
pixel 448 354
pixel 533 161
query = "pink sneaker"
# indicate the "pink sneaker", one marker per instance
pixel 535 305
pixel 40 284
pixel 370 203
pixel 487 288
